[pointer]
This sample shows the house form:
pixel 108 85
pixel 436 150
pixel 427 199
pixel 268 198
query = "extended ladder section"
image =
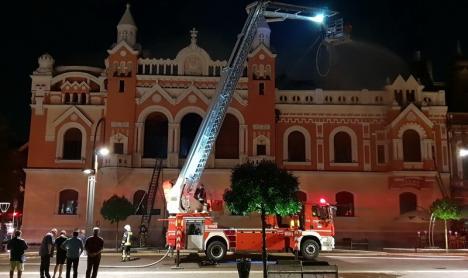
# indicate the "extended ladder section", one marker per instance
pixel 150 196
pixel 180 197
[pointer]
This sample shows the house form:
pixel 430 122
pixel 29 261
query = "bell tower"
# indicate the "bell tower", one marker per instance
pixel 260 115
pixel 121 69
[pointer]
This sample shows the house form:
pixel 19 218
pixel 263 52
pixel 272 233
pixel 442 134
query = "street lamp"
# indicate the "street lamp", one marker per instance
pixel 91 189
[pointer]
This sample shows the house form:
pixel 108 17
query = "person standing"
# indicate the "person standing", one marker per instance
pixel 2 236
pixel 94 245
pixel 82 235
pixel 17 246
pixel 143 234
pixel 126 243
pixel 61 253
pixel 46 251
pixel 74 248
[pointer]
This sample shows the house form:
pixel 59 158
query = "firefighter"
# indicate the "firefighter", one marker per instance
pixel 200 193
pixel 126 243
pixel 143 233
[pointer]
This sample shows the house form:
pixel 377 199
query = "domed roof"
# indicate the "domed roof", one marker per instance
pixel 193 59
pixel 46 63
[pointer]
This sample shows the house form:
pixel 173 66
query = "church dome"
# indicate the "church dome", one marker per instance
pixel 193 60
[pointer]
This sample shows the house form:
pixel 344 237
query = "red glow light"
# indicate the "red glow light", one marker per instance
pixel 323 201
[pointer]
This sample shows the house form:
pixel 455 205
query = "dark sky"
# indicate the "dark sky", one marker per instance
pixel 78 32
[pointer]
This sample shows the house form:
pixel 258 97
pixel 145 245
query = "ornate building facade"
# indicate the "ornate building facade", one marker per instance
pixel 378 155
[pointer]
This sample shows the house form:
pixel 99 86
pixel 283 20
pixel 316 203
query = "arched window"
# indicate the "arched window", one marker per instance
pixel 67 98
pixel 140 201
pixel 68 202
pixel 188 130
pixel 255 71
pixel 227 144
pixel 408 202
pixel 74 98
pixel 268 72
pixel 83 98
pixel 155 137
pixel 411 146
pixel 72 141
pixel 344 204
pixel 296 147
pixel 342 147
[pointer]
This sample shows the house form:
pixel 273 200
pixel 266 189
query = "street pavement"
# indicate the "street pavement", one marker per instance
pixel 351 264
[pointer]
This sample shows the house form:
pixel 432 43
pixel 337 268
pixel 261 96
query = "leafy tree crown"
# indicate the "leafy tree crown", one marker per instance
pixel 116 209
pixel 263 184
pixel 445 209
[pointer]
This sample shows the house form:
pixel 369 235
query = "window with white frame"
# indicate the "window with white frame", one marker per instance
pixel 68 202
pixel 344 204
pixel 411 146
pixel 155 136
pixel 380 154
pixel 72 143
pixel 188 130
pixel 342 148
pixel 296 147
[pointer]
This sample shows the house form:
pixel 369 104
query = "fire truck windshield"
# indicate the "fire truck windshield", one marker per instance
pixel 322 212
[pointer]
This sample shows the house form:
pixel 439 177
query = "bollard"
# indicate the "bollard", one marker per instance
pixel 243 267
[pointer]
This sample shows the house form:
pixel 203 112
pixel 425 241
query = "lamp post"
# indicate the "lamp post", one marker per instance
pixel 91 189
pixel 92 174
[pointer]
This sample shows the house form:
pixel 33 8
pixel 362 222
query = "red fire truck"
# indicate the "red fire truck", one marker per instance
pixel 191 226
pixel 307 233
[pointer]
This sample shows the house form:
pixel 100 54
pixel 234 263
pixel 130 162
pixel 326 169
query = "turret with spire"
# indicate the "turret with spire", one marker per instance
pixel 126 29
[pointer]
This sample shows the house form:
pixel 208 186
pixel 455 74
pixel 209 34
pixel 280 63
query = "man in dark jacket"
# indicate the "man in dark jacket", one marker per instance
pixel 74 247
pixel 17 246
pixel 46 251
pixel 61 255
pixel 94 245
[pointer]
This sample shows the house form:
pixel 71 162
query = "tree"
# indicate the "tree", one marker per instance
pixel 116 209
pixel 262 188
pixel 445 209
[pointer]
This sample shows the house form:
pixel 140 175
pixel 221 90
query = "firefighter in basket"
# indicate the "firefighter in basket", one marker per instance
pixel 126 243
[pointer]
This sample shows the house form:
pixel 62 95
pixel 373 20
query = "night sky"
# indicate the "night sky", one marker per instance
pixel 385 35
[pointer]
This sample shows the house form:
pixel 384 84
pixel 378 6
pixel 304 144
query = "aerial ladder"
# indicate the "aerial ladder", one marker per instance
pixel 180 197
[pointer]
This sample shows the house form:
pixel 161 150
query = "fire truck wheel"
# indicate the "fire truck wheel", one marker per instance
pixel 216 250
pixel 310 249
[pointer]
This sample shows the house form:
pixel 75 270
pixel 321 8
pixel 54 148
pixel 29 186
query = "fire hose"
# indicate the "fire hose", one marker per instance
pixel 139 266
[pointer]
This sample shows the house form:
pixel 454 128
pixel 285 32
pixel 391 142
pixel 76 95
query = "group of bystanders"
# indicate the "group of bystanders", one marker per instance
pixel 68 251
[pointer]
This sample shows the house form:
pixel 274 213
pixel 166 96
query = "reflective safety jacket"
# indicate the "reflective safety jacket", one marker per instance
pixel 126 239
